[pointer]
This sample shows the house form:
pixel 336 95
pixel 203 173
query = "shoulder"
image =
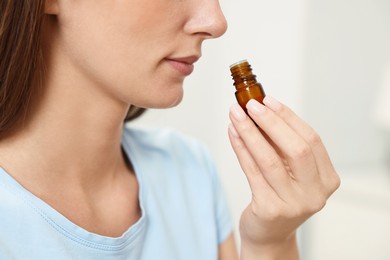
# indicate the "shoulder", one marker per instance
pixel 13 207
pixel 9 198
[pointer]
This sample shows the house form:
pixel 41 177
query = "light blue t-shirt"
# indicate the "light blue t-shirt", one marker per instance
pixel 184 211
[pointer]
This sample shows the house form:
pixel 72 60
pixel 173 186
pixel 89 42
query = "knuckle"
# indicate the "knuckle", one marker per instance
pixel 271 162
pixel 239 145
pixel 316 205
pixel 283 111
pixel 314 139
pixel 334 182
pixel 245 126
pixel 252 168
pixel 246 129
pixel 301 152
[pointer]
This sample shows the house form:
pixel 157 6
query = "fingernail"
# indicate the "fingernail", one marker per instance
pixel 237 112
pixel 255 107
pixel 272 103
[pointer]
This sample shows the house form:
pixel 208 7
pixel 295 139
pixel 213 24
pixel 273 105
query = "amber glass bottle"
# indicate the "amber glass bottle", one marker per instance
pixel 246 84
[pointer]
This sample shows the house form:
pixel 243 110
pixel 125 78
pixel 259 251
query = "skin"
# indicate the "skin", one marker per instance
pixel 289 172
pixel 104 55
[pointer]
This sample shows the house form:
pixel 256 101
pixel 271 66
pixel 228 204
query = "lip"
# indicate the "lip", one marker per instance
pixel 183 65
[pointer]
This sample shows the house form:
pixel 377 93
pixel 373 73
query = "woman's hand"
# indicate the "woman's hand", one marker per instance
pixel 289 172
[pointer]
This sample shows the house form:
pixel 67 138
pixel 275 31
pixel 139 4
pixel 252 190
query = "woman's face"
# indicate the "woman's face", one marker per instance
pixel 137 51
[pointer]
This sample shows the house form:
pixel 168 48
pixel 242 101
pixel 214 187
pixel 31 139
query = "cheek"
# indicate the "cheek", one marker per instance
pixel 122 53
pixel 101 51
pixel 116 31
pixel 93 46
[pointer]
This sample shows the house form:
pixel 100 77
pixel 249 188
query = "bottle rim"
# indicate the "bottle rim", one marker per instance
pixel 237 63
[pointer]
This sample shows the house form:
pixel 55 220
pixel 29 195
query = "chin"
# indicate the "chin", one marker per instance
pixel 165 102
pixel 172 103
pixel 171 98
pixel 165 95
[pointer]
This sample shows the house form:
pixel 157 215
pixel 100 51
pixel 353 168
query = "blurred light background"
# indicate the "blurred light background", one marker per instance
pixel 330 62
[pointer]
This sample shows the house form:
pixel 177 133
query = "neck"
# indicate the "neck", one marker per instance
pixel 74 134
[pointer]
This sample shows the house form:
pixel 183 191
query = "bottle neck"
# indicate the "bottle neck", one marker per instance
pixel 242 75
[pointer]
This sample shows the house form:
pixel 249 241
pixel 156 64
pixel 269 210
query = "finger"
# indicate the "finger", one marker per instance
pixel 263 154
pixel 258 184
pixel 325 166
pixel 294 148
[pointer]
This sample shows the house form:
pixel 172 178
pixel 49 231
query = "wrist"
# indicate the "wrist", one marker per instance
pixel 283 250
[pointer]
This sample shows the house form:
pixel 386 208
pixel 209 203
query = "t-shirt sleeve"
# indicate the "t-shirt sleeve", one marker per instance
pixel 222 212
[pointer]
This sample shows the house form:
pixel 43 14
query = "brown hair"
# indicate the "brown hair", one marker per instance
pixel 21 61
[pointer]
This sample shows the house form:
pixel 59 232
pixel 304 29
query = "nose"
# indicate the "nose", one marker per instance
pixel 206 19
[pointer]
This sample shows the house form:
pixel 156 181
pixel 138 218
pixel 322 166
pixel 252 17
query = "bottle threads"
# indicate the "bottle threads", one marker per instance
pixel 247 87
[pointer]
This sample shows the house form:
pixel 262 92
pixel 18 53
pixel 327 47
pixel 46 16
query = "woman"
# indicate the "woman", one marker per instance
pixel 76 184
